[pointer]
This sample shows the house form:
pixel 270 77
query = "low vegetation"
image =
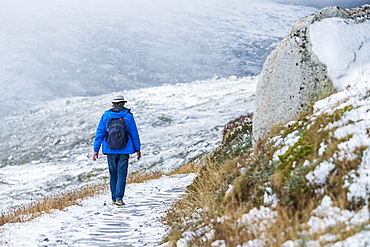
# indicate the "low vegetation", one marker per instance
pixel 268 196
pixel 58 201
pixel 64 199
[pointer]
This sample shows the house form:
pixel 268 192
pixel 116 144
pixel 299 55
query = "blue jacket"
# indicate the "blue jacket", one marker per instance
pixel 133 143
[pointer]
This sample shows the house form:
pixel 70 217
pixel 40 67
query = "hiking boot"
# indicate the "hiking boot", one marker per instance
pixel 120 203
pixel 114 202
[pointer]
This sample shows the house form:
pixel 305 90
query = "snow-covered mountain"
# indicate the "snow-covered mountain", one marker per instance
pixel 63 48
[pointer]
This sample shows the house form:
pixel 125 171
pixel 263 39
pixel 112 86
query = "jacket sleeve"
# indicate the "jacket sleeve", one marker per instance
pixel 100 134
pixel 134 134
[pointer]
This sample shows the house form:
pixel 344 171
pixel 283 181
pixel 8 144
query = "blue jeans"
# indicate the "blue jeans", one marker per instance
pixel 117 164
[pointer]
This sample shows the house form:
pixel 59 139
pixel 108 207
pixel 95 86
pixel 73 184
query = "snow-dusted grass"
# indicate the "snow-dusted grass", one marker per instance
pixel 96 222
pixel 58 201
pixel 64 199
pixel 306 184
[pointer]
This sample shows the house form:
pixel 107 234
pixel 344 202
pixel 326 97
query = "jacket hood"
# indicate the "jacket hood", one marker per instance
pixel 115 114
pixel 118 109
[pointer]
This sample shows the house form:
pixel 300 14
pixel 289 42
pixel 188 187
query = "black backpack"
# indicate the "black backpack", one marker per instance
pixel 117 134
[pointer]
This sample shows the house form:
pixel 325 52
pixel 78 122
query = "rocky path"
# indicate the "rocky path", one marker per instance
pixel 98 223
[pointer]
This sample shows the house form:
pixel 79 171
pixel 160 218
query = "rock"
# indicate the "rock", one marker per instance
pixel 292 76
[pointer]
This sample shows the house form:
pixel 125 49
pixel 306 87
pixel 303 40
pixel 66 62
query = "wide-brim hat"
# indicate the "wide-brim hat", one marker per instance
pixel 118 99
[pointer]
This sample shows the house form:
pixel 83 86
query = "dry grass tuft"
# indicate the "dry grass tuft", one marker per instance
pixel 64 199
pixel 140 176
pixel 190 167
pixel 59 201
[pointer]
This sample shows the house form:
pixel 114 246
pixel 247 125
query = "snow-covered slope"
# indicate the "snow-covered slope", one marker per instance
pixel 50 147
pixel 307 184
pixel 64 48
pixel 339 160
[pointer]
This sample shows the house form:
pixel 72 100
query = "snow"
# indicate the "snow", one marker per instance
pixel 270 198
pixel 320 174
pixel 325 215
pixel 360 187
pixel 360 239
pixel 289 141
pixel 229 190
pixel 357 131
pixel 353 125
pixel 98 223
pixel 219 243
pixel 253 243
pixel 258 219
pixel 346 56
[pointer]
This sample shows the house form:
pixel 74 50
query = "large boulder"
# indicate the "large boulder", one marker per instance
pixel 293 76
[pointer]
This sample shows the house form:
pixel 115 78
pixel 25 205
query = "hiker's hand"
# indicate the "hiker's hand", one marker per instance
pixel 138 155
pixel 95 156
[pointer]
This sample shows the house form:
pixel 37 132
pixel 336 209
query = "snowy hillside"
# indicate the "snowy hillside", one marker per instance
pixel 64 48
pixel 56 55
pixel 307 184
pixel 50 147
